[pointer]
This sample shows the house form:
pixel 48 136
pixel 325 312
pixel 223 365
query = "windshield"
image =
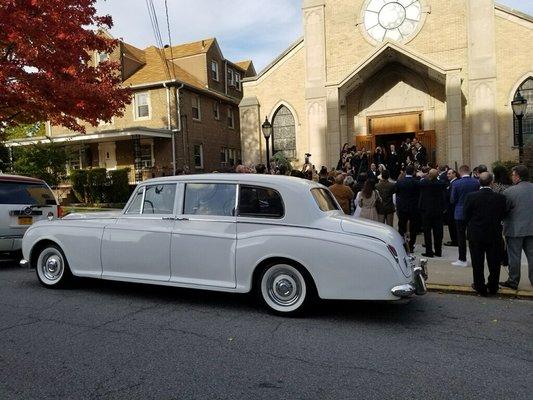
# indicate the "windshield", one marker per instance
pixel 324 199
pixel 26 193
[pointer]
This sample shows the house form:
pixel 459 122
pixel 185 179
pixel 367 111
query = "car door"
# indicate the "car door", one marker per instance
pixel 137 246
pixel 204 236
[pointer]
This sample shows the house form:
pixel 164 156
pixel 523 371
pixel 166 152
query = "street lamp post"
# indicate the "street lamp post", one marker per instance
pixel 519 105
pixel 267 132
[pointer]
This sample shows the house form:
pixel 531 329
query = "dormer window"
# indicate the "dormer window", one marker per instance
pixel 238 81
pixel 231 78
pixel 101 57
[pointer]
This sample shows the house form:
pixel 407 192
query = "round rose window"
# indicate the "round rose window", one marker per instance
pixel 392 19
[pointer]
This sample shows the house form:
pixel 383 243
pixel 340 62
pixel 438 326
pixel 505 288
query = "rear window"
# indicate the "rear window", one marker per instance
pixel 26 193
pixel 324 199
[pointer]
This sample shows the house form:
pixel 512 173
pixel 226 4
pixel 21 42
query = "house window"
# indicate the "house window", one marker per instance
pixel 231 78
pixel 238 81
pixel 196 112
pixel 147 154
pixel 231 119
pixel 198 156
pixel 231 158
pixel 224 156
pixel 142 105
pixel 101 57
pixel 214 70
pixel 74 159
pixel 216 110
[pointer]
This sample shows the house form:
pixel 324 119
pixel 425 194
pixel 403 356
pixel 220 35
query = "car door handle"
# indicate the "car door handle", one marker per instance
pixel 182 219
pixel 168 219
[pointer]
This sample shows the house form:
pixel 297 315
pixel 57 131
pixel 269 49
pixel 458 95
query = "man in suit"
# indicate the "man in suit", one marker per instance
pixel 432 205
pixel 421 155
pixel 460 189
pixel 518 227
pixel 450 209
pixel 393 163
pixel 484 212
pixel 407 197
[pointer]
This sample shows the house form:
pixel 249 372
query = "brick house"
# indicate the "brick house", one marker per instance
pixel 184 114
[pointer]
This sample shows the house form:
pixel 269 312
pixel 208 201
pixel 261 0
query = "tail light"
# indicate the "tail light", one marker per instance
pixel 393 252
pixel 59 212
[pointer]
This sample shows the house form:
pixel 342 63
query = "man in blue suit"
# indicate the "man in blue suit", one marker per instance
pixel 460 189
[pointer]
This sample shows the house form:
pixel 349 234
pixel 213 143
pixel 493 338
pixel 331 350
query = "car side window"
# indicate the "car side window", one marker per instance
pixel 210 199
pixel 324 199
pixel 260 202
pixel 136 203
pixel 159 199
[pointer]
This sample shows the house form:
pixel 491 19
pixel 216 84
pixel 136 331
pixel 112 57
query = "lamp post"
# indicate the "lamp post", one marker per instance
pixel 267 132
pixel 519 105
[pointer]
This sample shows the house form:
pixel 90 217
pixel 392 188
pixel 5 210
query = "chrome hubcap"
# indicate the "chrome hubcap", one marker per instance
pixel 284 289
pixel 52 267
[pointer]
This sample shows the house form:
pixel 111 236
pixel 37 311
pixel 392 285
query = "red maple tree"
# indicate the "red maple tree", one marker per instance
pixel 46 72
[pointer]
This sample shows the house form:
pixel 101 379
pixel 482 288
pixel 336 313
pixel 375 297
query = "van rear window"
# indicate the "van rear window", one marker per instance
pixel 26 193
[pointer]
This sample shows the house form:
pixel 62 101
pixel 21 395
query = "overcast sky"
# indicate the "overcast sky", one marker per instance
pixel 245 29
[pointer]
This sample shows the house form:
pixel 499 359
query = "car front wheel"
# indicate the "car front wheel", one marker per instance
pixel 52 267
pixel 284 289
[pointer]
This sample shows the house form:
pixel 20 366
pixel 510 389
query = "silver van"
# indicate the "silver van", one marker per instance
pixel 23 201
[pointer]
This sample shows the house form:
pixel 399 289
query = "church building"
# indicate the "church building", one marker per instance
pixel 375 72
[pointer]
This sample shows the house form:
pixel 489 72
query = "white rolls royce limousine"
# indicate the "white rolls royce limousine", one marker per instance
pixel 284 238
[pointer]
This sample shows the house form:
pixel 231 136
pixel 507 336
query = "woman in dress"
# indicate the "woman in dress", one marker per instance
pixel 367 200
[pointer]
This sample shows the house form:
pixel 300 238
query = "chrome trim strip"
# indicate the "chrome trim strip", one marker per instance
pixel 11 237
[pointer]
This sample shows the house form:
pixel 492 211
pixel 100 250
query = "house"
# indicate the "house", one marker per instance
pixel 184 114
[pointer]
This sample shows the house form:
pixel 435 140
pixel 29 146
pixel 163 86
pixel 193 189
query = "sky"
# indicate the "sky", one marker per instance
pixel 245 29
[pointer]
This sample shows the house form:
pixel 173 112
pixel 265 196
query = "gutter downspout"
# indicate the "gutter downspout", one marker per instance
pixel 179 128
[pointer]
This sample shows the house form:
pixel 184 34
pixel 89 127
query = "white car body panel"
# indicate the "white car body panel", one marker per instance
pixel 347 258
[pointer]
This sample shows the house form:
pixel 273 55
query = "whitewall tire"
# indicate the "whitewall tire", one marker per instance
pixel 52 267
pixel 284 289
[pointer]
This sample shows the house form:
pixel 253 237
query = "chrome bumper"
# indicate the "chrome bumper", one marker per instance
pixel 417 286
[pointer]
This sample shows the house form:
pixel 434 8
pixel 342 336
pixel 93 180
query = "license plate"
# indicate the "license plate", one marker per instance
pixel 25 220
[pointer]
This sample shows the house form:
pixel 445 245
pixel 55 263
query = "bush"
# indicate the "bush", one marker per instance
pixel 97 183
pixel 119 186
pixel 78 179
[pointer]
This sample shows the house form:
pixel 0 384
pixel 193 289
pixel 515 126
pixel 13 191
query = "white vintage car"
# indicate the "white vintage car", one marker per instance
pixel 284 238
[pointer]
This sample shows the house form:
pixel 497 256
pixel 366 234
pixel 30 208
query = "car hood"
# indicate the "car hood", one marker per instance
pixel 94 215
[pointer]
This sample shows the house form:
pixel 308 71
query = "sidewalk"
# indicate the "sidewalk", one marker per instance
pixel 446 278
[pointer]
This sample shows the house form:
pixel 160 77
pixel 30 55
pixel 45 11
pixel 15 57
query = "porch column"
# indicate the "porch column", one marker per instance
pixel 454 119
pixel 137 158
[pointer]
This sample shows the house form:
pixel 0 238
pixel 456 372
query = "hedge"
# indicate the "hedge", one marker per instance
pixel 97 186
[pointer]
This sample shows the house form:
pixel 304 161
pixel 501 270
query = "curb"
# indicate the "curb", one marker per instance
pixel 508 293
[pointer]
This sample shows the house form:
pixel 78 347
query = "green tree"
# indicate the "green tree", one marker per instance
pixel 46 161
pixel 24 130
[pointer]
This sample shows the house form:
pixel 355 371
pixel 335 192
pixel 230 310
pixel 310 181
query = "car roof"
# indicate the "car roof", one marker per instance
pixel 239 178
pixel 18 178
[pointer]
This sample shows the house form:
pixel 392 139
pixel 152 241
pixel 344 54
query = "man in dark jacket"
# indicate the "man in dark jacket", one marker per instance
pixel 432 205
pixel 407 196
pixel 460 189
pixel 484 212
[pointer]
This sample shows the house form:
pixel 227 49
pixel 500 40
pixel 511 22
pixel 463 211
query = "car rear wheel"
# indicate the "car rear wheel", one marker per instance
pixel 284 289
pixel 52 267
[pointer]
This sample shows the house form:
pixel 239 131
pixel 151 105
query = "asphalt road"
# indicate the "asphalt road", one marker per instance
pixel 104 340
